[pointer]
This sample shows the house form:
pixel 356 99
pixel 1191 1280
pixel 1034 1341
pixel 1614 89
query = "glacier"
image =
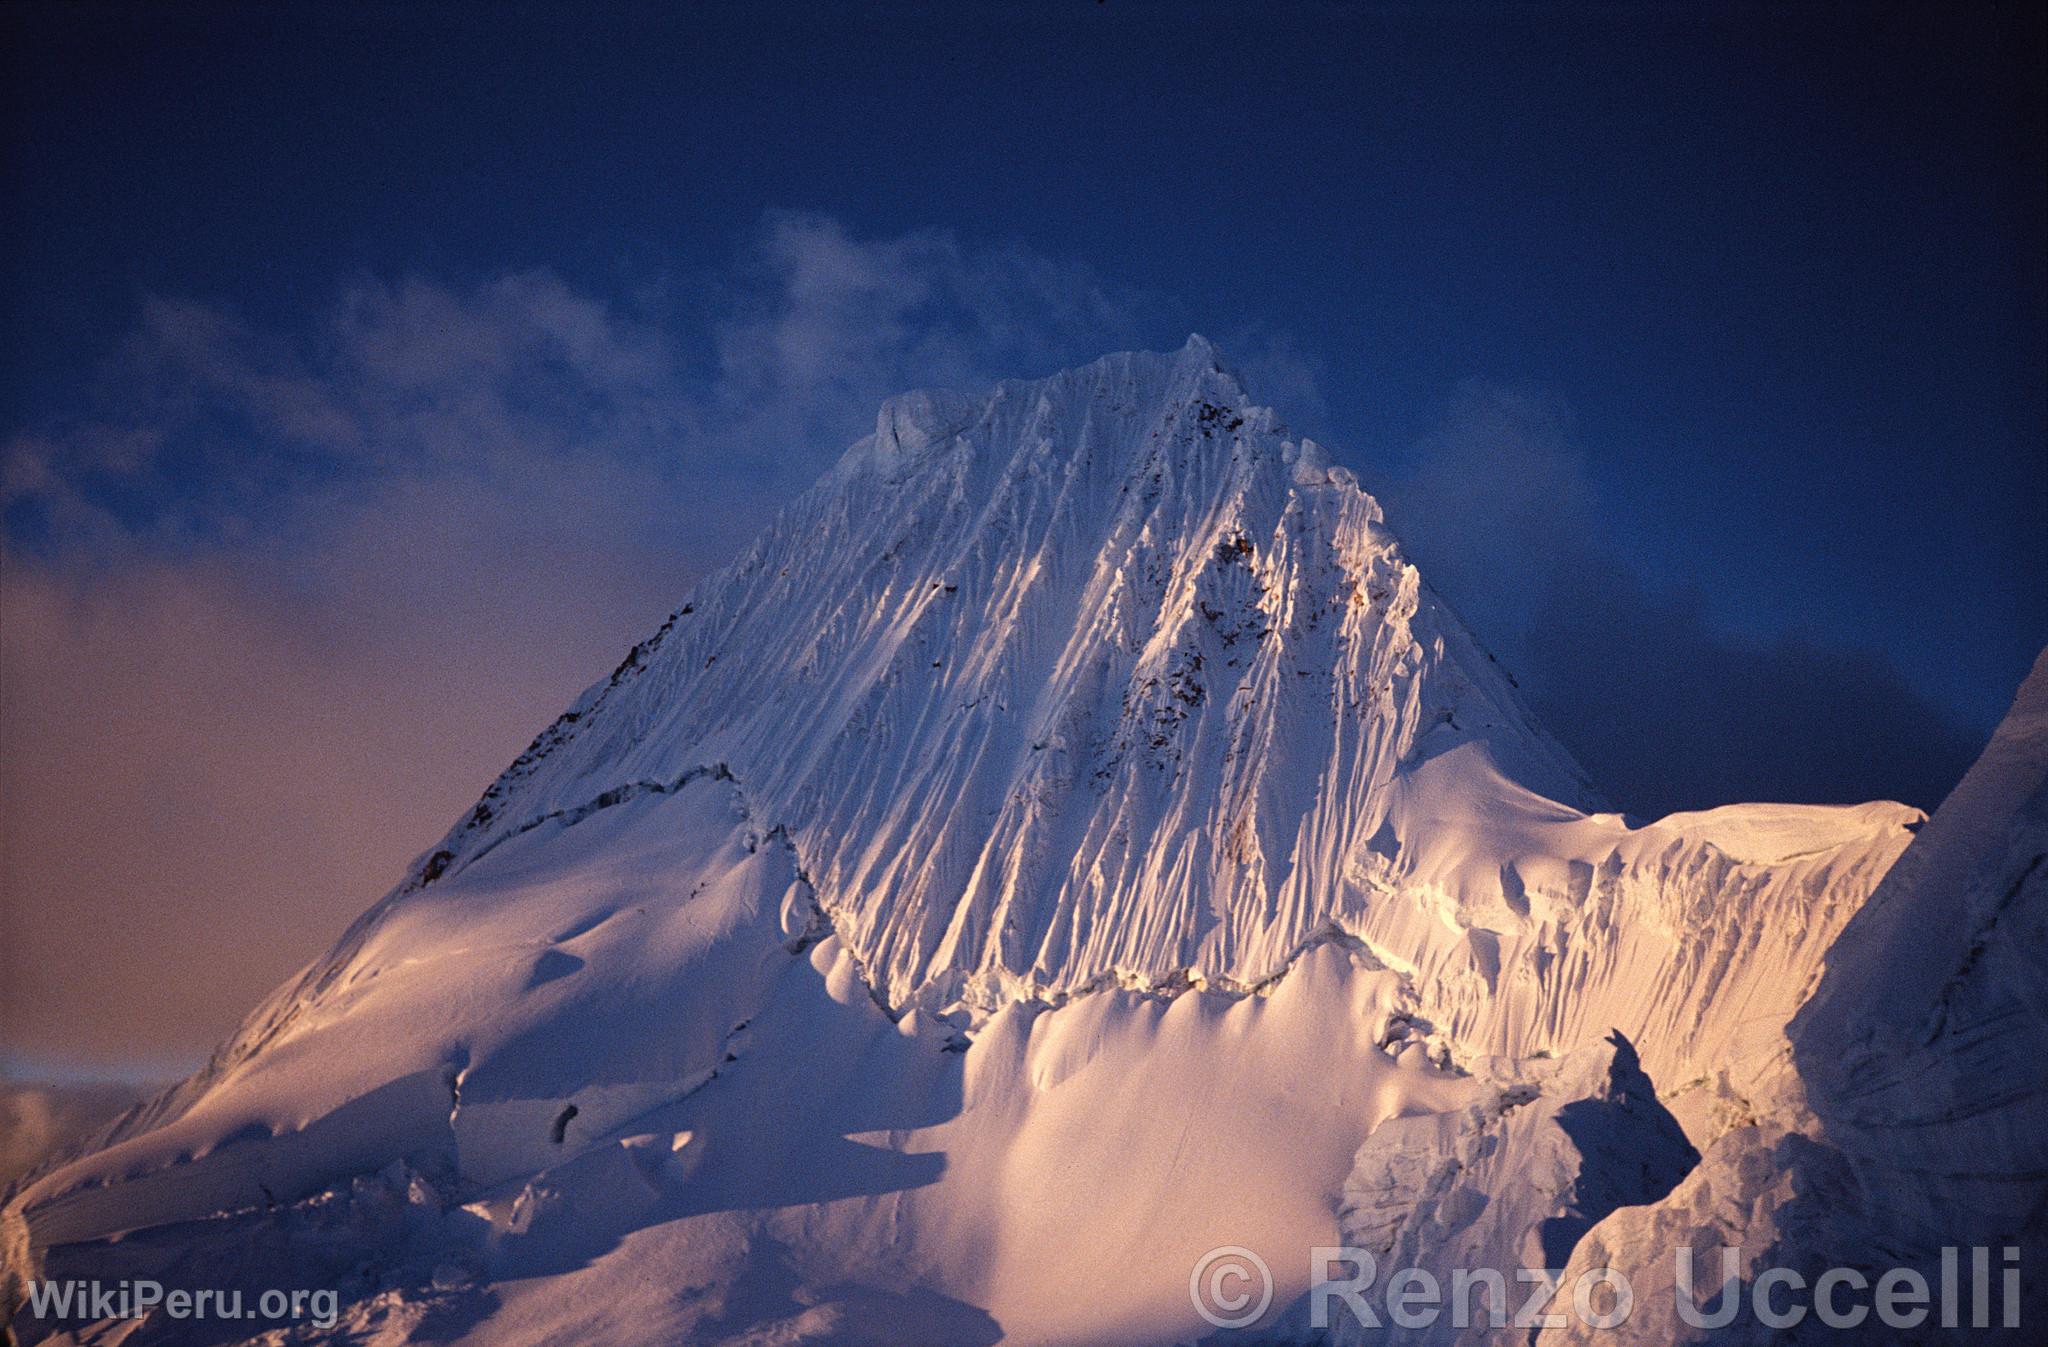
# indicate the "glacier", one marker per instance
pixel 1070 839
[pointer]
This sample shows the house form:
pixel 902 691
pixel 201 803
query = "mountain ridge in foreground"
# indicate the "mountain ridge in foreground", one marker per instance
pixel 1070 839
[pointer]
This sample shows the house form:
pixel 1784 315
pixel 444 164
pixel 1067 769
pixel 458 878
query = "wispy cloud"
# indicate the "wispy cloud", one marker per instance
pixel 37 1121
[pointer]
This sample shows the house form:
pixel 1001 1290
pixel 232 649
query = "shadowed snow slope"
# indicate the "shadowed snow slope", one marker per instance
pixel 1049 851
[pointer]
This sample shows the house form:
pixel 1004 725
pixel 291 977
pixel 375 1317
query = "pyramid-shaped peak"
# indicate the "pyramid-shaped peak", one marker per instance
pixel 1144 675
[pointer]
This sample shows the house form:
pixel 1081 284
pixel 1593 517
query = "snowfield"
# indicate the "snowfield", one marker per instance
pixel 1071 839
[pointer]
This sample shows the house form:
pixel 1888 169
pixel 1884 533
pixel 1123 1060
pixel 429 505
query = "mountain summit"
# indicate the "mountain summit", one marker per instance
pixel 1053 848
pixel 1100 676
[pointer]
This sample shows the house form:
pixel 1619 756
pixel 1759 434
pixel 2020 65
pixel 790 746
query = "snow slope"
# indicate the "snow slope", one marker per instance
pixel 1050 851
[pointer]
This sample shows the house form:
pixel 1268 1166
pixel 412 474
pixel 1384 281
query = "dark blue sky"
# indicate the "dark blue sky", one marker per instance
pixel 376 374
pixel 1784 270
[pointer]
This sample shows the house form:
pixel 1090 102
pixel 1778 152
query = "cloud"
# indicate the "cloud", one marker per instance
pixel 280 603
pixel 1278 373
pixel 1499 502
pixel 38 1121
pixel 820 323
pixel 1663 709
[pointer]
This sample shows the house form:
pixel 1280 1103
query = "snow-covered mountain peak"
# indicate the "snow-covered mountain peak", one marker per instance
pixel 1104 679
pixel 1070 817
pixel 1097 675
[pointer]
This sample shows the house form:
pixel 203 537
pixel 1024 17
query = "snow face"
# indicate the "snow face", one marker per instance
pixel 1054 849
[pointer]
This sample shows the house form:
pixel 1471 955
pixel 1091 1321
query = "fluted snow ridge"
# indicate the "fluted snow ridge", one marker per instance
pixel 1102 672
